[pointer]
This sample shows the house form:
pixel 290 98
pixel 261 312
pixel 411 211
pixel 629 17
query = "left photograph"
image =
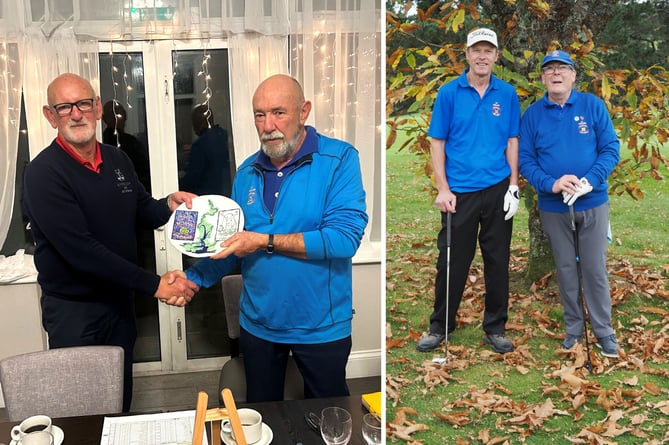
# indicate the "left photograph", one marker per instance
pixel 192 222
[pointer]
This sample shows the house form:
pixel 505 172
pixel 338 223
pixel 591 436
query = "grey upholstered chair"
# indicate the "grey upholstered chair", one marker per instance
pixel 232 373
pixel 63 382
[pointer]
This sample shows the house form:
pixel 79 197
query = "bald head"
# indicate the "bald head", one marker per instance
pixel 281 84
pixel 70 81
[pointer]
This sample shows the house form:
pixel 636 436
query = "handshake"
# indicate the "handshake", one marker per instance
pixel 175 289
pixel 583 188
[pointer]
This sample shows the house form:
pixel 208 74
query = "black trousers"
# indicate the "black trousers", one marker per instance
pixel 479 215
pixel 83 323
pixel 322 365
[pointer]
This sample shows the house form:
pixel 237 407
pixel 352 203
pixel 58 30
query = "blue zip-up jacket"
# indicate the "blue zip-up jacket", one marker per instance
pixel 577 139
pixel 289 300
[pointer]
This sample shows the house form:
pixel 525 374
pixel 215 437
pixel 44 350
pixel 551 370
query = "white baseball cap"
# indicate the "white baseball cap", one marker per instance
pixel 481 35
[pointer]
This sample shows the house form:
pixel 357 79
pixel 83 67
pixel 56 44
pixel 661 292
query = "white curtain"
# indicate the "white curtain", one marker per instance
pixel 335 52
pixel 10 107
pixel 253 57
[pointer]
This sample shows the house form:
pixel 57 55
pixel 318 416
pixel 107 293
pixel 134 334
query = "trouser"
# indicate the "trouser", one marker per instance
pixel 478 215
pixel 592 228
pixel 322 365
pixel 84 323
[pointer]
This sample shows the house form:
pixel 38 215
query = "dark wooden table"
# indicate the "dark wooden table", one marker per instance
pixel 286 419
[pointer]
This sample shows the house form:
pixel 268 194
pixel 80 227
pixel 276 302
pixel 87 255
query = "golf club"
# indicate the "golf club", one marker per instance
pixel 588 364
pixel 441 361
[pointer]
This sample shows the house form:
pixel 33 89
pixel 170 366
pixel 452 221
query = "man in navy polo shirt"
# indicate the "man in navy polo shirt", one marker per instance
pixel 474 130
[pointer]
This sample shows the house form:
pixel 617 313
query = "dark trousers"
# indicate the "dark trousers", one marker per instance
pixel 83 323
pixel 478 215
pixel 322 365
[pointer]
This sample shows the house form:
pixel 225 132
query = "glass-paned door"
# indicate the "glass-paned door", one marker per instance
pixel 155 95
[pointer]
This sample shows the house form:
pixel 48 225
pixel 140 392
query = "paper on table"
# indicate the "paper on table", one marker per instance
pixel 150 429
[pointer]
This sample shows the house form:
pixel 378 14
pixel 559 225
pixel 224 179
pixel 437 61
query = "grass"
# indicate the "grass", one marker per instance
pixel 481 397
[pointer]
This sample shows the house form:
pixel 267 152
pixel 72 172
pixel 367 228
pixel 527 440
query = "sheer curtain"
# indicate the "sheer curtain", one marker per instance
pixel 332 46
pixel 11 71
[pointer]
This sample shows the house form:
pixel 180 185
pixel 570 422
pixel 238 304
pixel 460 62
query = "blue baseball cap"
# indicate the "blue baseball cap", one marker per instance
pixel 557 56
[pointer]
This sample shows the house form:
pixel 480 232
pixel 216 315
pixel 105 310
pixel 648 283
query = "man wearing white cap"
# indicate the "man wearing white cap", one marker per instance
pixel 474 147
pixel 568 149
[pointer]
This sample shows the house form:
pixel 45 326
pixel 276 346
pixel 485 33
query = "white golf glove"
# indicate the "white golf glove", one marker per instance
pixel 511 201
pixel 570 198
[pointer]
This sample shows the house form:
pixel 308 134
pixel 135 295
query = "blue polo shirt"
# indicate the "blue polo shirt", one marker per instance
pixel 476 130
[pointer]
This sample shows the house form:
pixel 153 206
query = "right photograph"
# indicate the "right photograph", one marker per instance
pixel 526 250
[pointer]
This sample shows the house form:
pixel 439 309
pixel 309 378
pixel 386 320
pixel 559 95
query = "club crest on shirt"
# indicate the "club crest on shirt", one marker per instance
pixel 120 177
pixel 251 197
pixel 496 109
pixel 583 127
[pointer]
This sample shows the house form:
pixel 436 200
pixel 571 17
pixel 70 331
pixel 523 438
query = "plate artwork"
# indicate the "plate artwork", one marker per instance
pixel 200 230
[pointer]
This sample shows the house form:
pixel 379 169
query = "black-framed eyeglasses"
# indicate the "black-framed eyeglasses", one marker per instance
pixel 550 69
pixel 65 109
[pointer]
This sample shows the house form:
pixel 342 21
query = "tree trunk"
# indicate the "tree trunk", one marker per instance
pixel 540 259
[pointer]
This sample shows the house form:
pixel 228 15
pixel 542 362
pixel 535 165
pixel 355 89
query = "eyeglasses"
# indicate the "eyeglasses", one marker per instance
pixel 65 109
pixel 551 69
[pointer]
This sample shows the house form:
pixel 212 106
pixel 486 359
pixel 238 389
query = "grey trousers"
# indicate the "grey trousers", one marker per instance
pixel 592 228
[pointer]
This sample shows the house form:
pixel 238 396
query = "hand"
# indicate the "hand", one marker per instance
pixel 511 201
pixel 445 201
pixel 175 289
pixel 242 244
pixel 583 188
pixel 177 198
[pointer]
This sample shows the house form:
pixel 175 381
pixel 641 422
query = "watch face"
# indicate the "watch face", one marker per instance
pixel 200 230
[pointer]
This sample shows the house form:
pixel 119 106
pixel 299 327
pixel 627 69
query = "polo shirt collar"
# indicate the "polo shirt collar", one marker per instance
pixel 309 146
pixel 95 166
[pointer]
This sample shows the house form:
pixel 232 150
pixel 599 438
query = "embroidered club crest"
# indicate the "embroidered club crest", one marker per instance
pixel 496 109
pixel 251 197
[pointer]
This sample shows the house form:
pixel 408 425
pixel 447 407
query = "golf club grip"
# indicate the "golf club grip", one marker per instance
pixel 448 228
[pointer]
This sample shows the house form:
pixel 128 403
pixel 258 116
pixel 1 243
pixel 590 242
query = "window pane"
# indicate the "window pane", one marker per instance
pixel 18 237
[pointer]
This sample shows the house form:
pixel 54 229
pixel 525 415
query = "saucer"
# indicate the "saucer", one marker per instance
pixel 58 436
pixel 266 438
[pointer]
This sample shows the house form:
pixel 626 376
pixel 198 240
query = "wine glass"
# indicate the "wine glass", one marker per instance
pixel 371 429
pixel 336 425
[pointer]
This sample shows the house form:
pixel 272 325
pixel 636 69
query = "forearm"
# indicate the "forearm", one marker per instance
pixel 512 159
pixel 438 156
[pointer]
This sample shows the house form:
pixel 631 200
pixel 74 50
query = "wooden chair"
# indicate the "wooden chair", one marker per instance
pixel 215 415
pixel 63 382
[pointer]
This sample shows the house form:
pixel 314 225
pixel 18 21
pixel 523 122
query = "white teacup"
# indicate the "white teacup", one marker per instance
pixel 251 424
pixel 31 424
pixel 37 438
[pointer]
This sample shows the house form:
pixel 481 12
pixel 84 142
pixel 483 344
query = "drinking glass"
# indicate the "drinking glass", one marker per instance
pixel 371 429
pixel 336 425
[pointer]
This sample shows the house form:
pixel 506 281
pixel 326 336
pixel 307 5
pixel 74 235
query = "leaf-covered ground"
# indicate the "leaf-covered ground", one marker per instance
pixel 538 393
pixel 635 407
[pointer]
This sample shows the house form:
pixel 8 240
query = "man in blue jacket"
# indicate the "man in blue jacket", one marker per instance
pixel 304 212
pixel 568 149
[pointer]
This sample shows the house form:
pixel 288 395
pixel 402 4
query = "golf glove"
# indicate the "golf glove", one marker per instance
pixel 511 201
pixel 570 198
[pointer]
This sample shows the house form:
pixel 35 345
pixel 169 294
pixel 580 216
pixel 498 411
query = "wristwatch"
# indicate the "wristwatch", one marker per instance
pixel 270 244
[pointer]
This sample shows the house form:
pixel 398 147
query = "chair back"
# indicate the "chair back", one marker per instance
pixel 63 382
pixel 233 373
pixel 232 291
